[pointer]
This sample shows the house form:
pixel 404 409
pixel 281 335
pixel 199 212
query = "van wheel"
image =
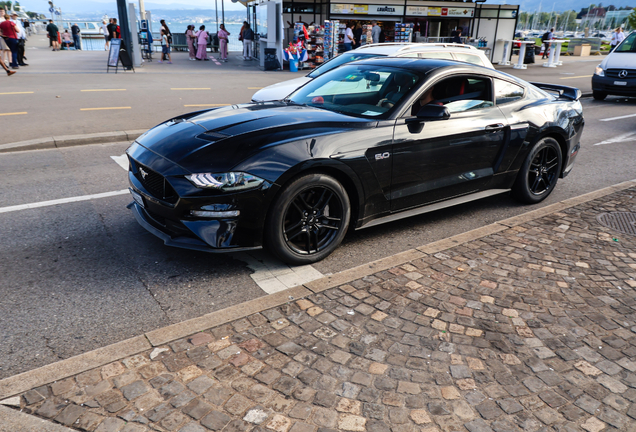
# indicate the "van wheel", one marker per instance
pixel 599 95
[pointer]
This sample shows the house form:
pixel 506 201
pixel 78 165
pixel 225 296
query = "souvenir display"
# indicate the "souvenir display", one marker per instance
pixel 330 39
pixel 403 32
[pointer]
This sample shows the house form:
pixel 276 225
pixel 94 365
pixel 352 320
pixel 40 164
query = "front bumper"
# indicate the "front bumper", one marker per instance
pixel 610 85
pixel 165 211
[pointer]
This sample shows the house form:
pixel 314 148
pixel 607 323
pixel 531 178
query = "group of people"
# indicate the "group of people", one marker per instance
pixel 198 40
pixel 110 31
pixel 353 34
pixel 12 42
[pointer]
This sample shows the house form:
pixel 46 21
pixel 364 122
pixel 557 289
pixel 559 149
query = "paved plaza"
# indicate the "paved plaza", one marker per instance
pixel 528 324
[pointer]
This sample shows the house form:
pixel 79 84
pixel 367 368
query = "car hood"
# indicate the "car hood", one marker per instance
pixel 620 60
pixel 219 139
pixel 280 90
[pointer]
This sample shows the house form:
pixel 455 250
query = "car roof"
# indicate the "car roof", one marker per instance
pixel 421 65
pixel 391 48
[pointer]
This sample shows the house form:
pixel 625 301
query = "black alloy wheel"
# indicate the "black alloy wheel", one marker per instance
pixel 308 220
pixel 539 173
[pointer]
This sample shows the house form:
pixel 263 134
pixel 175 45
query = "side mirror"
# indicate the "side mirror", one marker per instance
pixel 433 112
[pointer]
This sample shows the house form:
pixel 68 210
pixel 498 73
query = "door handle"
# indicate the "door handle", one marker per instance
pixel 494 127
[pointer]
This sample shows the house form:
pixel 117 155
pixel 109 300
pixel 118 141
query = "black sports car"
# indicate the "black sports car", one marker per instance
pixel 368 142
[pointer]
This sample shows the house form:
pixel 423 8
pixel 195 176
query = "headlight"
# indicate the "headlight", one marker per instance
pixel 599 71
pixel 232 181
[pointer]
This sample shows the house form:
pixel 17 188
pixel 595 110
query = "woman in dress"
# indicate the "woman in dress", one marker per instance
pixel 223 39
pixel 202 42
pixel 191 42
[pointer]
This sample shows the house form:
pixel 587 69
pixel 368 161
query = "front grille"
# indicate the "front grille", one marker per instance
pixel 155 184
pixel 613 73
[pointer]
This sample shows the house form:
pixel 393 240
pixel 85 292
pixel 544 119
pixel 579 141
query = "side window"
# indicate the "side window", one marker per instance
pixel 507 92
pixel 458 94
pixel 469 58
pixel 441 55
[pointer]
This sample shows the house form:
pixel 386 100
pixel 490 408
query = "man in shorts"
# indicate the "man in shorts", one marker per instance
pixel 5 51
pixel 52 31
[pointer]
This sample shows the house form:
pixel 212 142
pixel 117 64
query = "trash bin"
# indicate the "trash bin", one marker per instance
pixel 529 56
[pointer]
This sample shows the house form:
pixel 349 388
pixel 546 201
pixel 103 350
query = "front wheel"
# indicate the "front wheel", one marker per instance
pixel 308 220
pixel 599 95
pixel 539 173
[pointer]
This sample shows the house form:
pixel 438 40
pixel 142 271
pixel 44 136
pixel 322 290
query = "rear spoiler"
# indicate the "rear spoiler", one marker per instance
pixel 571 93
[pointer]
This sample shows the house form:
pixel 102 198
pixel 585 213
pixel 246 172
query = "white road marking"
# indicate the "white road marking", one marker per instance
pixel 272 275
pixel 62 201
pixel 122 161
pixel 618 118
pixel 630 136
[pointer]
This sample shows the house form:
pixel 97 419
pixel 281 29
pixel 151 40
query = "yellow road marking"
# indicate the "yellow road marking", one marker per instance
pixel 582 76
pixel 102 90
pixel 16 113
pixel 207 105
pixel 104 108
pixel 10 93
pixel 201 88
pixel 255 88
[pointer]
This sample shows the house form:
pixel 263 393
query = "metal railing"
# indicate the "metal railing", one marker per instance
pixel 98 43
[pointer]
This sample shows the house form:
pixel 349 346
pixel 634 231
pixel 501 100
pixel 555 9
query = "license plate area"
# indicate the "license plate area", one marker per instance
pixel 138 198
pixel 620 83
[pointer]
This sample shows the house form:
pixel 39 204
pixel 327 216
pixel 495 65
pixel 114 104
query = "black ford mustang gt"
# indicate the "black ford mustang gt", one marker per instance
pixel 366 143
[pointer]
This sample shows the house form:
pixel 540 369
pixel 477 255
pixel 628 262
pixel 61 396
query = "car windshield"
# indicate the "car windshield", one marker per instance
pixel 628 45
pixel 339 61
pixel 359 90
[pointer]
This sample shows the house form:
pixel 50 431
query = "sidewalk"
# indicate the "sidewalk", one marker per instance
pixel 526 324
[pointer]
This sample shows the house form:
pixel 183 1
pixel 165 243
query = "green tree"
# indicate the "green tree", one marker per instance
pixel 631 19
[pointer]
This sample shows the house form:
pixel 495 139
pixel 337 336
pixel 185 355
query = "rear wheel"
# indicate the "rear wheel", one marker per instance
pixel 598 95
pixel 308 220
pixel 539 173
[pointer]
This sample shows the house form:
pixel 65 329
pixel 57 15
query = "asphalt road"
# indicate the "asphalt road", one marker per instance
pixel 81 275
pixel 68 92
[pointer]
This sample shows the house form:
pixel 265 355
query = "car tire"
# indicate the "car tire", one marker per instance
pixel 539 173
pixel 308 219
pixel 599 95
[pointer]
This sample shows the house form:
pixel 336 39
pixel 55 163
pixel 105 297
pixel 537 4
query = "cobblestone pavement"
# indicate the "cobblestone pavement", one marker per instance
pixel 532 328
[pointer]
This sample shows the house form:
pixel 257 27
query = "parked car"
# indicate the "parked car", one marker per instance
pixel 368 142
pixel 448 51
pixel 616 75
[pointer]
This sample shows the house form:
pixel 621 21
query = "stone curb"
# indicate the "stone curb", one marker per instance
pixel 15 421
pixel 71 140
pixel 66 368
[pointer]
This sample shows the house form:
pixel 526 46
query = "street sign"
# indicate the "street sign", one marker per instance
pixel 57 12
pixel 51 10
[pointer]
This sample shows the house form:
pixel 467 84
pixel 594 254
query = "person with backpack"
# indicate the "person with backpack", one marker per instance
pixel 546 39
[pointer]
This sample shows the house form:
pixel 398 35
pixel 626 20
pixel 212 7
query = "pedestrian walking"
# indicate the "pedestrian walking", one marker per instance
pixel 6 69
pixel 223 40
pixel 349 41
pixel 191 40
pixel 77 39
pixel 202 43
pixel 9 32
pixel 547 40
pixel 22 37
pixel 165 47
pixel 164 27
pixel 617 38
pixel 357 34
pixel 104 31
pixel 248 37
